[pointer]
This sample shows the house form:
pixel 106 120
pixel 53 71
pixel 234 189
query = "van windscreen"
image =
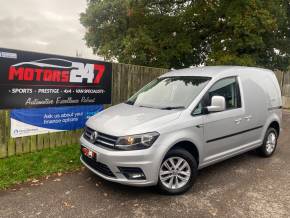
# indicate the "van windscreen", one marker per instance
pixel 169 92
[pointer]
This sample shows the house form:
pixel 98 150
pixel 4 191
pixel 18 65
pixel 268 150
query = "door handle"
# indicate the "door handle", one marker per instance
pixel 199 125
pixel 248 118
pixel 238 121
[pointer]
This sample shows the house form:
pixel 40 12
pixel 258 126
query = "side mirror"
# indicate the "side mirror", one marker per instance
pixel 218 103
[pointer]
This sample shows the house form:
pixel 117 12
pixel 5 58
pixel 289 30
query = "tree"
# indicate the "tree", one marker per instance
pixel 182 33
pixel 250 32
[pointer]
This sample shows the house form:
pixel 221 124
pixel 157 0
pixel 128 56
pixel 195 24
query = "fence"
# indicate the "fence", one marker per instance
pixel 284 82
pixel 286 89
pixel 127 79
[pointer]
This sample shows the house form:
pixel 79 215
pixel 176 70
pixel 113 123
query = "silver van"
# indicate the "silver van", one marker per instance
pixel 181 122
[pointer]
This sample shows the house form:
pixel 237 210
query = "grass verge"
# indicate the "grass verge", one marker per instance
pixel 17 169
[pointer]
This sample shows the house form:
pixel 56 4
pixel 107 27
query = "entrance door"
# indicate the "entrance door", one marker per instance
pixel 221 129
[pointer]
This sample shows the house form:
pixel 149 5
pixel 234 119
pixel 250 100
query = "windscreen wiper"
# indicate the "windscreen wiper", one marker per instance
pixel 145 106
pixel 172 108
pixel 129 102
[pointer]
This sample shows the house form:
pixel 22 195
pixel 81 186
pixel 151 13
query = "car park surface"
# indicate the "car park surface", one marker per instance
pixel 243 186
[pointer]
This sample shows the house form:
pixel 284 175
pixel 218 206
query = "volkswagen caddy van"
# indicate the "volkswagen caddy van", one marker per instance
pixel 181 122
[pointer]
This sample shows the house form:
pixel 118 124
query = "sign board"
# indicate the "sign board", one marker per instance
pixel 30 79
pixel 26 122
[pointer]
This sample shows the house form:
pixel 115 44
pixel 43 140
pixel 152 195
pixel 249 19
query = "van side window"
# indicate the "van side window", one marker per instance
pixel 229 89
pixel 197 110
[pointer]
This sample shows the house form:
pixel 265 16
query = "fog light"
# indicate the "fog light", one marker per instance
pixel 136 175
pixel 132 173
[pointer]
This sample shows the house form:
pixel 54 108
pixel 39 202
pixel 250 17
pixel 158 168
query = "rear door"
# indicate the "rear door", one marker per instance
pixel 222 130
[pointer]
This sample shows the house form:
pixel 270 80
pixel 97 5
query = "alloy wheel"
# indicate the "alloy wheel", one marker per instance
pixel 271 142
pixel 174 173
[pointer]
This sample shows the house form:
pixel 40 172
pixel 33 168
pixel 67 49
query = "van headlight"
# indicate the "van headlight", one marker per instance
pixel 136 142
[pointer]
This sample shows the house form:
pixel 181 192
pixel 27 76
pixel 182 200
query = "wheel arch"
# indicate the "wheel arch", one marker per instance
pixel 275 124
pixel 274 120
pixel 188 146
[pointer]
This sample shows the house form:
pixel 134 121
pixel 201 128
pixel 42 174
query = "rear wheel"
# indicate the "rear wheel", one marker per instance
pixel 177 172
pixel 269 144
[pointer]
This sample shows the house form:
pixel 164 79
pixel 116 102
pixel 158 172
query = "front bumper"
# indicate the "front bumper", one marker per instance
pixel 145 159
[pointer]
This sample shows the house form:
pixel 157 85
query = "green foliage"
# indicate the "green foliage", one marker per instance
pixel 181 33
pixel 18 169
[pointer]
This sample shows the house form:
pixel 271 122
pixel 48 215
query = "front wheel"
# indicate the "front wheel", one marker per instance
pixel 177 172
pixel 269 144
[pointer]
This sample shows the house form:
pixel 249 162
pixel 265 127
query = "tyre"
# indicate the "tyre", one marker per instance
pixel 269 144
pixel 177 172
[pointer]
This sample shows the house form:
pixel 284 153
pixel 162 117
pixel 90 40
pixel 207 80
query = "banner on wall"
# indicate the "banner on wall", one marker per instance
pixel 33 80
pixel 27 122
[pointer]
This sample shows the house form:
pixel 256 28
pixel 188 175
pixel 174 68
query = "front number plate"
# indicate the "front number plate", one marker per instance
pixel 89 153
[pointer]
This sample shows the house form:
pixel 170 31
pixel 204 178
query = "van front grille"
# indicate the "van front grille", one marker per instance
pixel 99 167
pixel 101 139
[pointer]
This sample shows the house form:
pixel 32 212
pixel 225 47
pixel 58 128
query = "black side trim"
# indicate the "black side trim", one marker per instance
pixel 274 108
pixel 234 134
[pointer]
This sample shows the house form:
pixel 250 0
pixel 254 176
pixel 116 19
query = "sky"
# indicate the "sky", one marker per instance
pixel 48 26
